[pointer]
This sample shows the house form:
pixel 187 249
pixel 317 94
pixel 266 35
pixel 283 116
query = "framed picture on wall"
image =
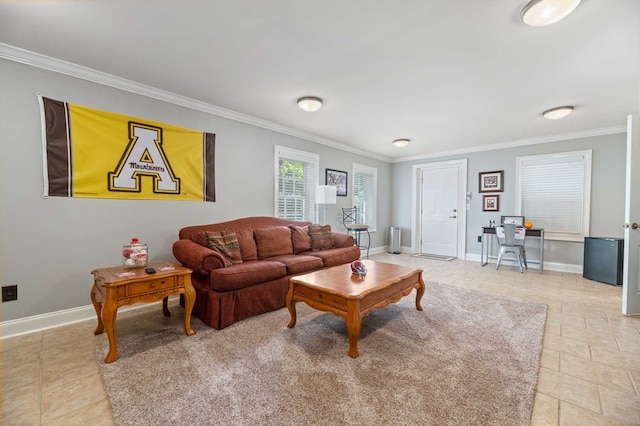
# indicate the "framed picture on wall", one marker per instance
pixel 338 179
pixel 492 181
pixel 490 203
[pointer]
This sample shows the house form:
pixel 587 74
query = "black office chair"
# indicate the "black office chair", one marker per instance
pixel 351 222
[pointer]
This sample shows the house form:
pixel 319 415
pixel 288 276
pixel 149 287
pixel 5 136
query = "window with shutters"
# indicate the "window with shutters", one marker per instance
pixel 296 179
pixel 553 192
pixel 365 190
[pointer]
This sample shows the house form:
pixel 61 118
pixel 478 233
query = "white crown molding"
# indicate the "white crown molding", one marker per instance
pixel 518 143
pixel 49 63
pixel 38 60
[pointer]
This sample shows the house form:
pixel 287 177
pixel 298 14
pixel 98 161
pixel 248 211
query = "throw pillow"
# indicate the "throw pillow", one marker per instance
pixel 300 238
pixel 225 242
pixel 321 237
pixel 248 247
pixel 273 241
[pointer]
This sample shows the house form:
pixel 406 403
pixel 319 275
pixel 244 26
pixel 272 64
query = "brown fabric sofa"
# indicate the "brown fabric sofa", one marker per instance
pixel 272 251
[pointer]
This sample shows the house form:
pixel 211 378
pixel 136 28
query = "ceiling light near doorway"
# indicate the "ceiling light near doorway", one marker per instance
pixel 538 13
pixel 558 113
pixel 309 103
pixel 401 143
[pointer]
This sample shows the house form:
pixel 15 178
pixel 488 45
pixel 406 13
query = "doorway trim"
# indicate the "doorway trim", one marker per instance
pixel 416 191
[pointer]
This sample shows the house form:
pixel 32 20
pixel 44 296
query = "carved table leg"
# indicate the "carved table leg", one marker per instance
pixel 109 312
pixel 354 324
pixel 189 300
pixel 420 290
pixel 98 307
pixel 165 307
pixel 291 306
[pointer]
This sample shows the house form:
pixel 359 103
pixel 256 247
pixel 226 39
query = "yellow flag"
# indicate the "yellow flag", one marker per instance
pixel 98 154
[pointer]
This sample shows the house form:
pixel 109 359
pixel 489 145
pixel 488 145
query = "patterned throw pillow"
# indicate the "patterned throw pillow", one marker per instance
pixel 225 242
pixel 321 237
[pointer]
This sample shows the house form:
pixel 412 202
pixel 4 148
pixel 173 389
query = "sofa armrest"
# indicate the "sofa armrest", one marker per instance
pixel 199 258
pixel 343 240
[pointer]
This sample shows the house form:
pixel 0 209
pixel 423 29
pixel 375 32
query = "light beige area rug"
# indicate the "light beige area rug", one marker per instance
pixel 468 359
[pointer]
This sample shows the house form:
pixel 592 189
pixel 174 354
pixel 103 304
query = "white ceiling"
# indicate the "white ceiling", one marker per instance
pixel 448 74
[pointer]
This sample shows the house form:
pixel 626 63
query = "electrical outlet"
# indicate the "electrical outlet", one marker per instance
pixel 9 293
pixel 479 238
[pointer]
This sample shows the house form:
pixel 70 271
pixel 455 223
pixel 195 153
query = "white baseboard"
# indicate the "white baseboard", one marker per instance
pixel 548 266
pixel 18 327
pixel 36 323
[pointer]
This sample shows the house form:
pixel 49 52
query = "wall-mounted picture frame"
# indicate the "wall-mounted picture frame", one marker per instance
pixel 492 181
pixel 338 179
pixel 490 203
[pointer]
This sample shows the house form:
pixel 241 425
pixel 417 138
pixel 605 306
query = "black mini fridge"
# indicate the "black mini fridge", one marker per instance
pixel 603 260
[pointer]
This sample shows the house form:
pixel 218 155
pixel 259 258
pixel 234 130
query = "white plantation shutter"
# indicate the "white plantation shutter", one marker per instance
pixel 553 192
pixel 296 174
pixel 365 190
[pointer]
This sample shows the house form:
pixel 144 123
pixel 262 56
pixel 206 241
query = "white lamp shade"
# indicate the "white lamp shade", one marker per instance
pixel 538 13
pixel 558 113
pixel 310 103
pixel 326 194
pixel 401 143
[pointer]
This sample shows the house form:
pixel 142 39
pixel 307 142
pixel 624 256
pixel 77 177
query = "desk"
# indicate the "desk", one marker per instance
pixel 533 232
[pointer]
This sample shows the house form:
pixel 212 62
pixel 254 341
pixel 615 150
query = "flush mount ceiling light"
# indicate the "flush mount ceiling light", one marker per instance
pixel 401 143
pixel 538 13
pixel 309 103
pixel 558 113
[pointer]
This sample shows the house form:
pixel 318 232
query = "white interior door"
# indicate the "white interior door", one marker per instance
pixel 439 211
pixel 631 279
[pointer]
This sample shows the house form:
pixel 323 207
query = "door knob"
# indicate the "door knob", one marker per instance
pixel 633 225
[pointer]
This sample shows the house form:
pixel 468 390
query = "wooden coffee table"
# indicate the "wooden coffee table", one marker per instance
pixel 116 286
pixel 338 291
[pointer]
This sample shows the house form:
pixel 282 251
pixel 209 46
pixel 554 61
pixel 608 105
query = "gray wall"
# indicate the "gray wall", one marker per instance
pixel 607 191
pixel 49 247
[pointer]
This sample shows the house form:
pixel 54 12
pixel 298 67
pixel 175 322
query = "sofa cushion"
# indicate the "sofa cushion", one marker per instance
pixel 225 242
pixel 246 274
pixel 248 248
pixel 321 237
pixel 300 238
pixel 273 241
pixel 299 264
pixel 336 256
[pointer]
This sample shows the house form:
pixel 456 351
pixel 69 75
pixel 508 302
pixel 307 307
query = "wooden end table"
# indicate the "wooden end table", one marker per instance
pixel 338 291
pixel 117 286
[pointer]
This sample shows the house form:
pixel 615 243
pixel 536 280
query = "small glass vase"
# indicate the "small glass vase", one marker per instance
pixel 135 255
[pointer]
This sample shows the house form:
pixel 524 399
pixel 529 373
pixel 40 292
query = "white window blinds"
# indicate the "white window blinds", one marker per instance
pixel 365 190
pixel 553 192
pixel 296 177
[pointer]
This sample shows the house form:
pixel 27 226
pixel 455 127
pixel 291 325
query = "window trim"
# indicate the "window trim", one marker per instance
pixel 586 191
pixel 364 169
pixel 296 155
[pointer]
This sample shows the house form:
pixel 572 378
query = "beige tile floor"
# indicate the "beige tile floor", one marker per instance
pixel 589 373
